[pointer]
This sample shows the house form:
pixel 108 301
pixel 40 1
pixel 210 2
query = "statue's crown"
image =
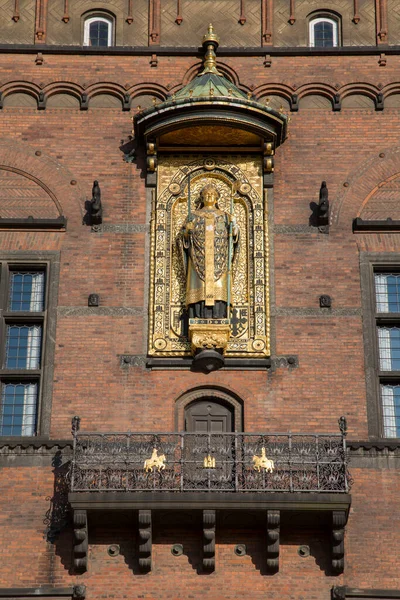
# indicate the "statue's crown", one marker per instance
pixel 210 187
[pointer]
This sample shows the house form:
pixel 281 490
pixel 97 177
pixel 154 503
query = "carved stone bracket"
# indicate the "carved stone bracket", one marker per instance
pixel 152 163
pixel 209 540
pixel 273 530
pixel 80 541
pixel 339 519
pixel 145 540
pixel 343 592
pixel 79 592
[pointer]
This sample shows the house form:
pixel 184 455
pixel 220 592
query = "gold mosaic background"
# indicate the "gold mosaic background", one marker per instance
pixel 232 174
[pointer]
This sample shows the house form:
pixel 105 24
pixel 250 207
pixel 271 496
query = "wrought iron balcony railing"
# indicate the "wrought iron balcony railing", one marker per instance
pixel 194 462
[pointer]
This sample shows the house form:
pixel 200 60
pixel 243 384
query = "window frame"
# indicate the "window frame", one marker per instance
pixel 372 263
pixel 92 18
pixel 320 18
pixel 49 263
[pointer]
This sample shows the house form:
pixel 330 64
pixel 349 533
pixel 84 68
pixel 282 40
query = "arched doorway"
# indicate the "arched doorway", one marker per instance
pixel 193 415
pixel 208 416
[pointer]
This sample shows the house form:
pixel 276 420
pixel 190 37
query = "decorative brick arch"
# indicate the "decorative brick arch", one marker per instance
pixel 51 176
pixel 363 182
pixel 217 394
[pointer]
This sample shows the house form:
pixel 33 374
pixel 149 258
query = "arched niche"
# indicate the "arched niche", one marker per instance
pixel 315 102
pixel 360 101
pixel 22 196
pixel 62 100
pixel 105 101
pixel 382 202
pixel 19 100
pixel 215 397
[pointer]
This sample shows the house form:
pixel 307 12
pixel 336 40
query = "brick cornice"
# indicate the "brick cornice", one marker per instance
pixel 196 51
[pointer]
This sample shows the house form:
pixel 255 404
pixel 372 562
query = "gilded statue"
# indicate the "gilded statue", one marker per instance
pixel 209 242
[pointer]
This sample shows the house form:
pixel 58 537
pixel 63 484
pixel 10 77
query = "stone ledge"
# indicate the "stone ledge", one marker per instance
pixel 104 311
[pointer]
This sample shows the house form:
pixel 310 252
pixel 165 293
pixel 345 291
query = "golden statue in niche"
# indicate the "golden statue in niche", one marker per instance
pixel 174 327
pixel 209 241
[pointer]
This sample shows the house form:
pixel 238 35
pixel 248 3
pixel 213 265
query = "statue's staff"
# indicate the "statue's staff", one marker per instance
pixel 189 209
pixel 229 277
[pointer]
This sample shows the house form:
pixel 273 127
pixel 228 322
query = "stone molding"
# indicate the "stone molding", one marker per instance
pixel 316 312
pixel 104 311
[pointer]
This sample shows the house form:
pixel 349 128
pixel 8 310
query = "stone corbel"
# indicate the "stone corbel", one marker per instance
pixel 209 540
pixel 80 541
pixel 273 531
pixel 151 162
pixel 339 519
pixel 268 164
pixel 337 103
pixel 145 540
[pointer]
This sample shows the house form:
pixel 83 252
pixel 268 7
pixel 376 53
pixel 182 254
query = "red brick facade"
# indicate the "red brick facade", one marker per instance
pixel 63 149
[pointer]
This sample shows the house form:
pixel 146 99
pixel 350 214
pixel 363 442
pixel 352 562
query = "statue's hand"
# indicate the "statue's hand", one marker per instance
pixel 233 220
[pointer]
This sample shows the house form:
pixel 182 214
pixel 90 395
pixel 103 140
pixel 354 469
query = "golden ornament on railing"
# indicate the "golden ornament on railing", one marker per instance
pixel 155 462
pixel 209 462
pixel 262 462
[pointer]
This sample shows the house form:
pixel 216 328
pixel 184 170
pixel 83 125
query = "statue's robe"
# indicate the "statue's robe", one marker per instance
pixel 207 245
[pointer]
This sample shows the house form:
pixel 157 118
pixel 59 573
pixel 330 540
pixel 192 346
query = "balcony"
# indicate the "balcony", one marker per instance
pixel 180 463
pixel 277 476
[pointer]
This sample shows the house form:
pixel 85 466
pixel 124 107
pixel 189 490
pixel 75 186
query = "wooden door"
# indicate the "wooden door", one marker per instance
pixel 208 416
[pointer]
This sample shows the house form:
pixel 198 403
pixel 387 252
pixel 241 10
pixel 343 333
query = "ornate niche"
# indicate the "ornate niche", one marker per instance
pixel 238 180
pixel 210 150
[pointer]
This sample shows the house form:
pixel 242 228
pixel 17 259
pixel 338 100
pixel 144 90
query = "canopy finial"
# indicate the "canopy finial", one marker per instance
pixel 210 44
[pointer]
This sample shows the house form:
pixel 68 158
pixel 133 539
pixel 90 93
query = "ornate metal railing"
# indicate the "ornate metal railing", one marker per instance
pixel 194 462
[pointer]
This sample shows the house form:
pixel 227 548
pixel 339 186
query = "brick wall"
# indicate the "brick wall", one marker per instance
pixel 80 146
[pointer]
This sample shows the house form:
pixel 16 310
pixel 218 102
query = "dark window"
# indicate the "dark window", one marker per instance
pixel 23 304
pixel 98 33
pixel 387 302
pixel 323 34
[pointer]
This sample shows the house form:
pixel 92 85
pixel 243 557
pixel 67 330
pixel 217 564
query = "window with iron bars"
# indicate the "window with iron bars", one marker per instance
pixel 387 304
pixel 23 309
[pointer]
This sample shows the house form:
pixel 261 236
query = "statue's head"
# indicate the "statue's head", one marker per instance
pixel 209 195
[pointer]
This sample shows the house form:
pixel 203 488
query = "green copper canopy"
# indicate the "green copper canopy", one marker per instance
pixel 211 99
pixel 209 84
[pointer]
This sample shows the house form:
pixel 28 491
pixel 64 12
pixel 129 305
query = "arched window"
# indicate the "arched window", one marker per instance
pixel 324 31
pixel 98 31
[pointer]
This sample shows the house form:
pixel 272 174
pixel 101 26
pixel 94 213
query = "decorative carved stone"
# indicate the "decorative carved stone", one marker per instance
pixel 93 300
pixel 41 101
pixel 79 592
pixel 210 336
pixel 323 206
pixel 75 425
pixel 267 60
pixel 95 207
pixel 339 592
pixel 379 101
pixel 342 421
pixel 209 540
pixel 151 148
pixel 338 523
pixel 80 541
pixel 84 104
pixel 145 540
pixel 126 103
pixel 337 103
pixel 294 103
pixel 273 530
pixel 268 164
pixel 325 301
